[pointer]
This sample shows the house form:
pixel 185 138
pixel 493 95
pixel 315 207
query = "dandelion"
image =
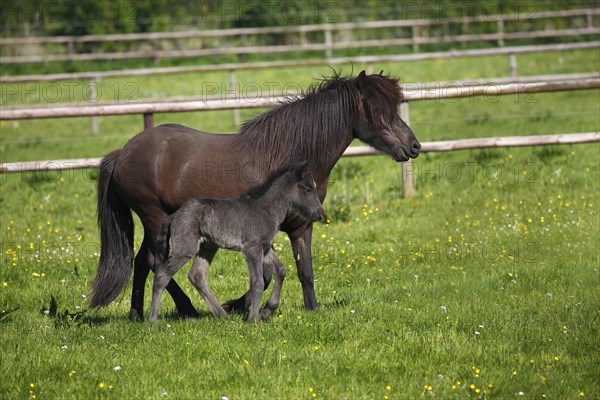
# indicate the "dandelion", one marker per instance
pixel 582 394
pixel 101 385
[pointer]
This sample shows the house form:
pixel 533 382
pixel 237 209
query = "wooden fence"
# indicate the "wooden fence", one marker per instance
pixel 418 92
pixel 511 52
pixel 333 37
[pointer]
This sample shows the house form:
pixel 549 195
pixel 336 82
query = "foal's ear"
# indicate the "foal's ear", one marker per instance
pixel 300 169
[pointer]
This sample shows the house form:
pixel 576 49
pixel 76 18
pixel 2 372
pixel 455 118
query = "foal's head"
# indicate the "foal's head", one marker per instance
pixel 379 124
pixel 302 191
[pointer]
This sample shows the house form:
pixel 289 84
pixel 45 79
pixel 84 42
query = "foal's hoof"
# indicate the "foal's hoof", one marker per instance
pixel 266 313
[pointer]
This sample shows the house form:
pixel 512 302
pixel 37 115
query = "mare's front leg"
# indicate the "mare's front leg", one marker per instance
pixel 301 248
pixel 273 301
pixel 253 255
pixel 198 275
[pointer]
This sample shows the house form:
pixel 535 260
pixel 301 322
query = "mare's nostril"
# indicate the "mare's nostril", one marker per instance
pixel 416 147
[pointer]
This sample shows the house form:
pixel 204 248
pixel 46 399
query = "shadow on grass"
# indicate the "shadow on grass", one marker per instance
pixel 93 317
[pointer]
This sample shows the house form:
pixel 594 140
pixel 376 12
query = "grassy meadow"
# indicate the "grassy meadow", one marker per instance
pixel 482 286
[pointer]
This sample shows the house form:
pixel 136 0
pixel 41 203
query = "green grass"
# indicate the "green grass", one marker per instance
pixel 488 277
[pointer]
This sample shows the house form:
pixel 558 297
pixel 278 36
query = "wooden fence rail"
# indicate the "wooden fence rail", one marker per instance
pixel 343 40
pixel 368 60
pixel 355 151
pixel 410 93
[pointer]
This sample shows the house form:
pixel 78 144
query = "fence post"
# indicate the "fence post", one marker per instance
pixel 512 65
pixel 407 167
pixel 415 39
pixel 328 41
pixel 500 24
pixel 157 46
pixel 92 98
pixel 148 120
pixel 232 87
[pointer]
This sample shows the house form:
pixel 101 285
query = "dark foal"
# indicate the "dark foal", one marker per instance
pixel 247 223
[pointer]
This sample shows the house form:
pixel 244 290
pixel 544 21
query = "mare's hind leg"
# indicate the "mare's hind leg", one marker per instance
pixel 198 275
pixel 242 304
pixel 273 301
pixel 140 274
pixel 162 276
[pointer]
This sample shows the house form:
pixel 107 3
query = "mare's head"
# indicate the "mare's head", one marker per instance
pixel 302 191
pixel 378 123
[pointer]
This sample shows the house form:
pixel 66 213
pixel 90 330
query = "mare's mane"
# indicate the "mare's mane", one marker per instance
pixel 316 123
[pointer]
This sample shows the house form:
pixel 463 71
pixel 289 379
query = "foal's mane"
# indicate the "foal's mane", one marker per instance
pixel 316 123
pixel 259 190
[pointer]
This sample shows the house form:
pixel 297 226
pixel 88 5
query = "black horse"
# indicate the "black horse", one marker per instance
pixel 162 167
pixel 246 223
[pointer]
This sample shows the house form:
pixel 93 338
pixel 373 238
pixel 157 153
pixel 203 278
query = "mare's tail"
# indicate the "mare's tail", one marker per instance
pixel 116 237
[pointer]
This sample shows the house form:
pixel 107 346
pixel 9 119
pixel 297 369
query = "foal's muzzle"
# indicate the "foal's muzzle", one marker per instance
pixel 318 214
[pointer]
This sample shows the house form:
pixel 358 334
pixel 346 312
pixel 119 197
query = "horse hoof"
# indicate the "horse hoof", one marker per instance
pixel 266 313
pixel 135 315
pixel 191 313
pixel 235 306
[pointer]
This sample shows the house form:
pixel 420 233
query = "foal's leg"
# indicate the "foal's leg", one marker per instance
pixel 198 275
pixel 254 259
pixel 144 261
pixel 273 301
pixel 301 248
pixel 162 276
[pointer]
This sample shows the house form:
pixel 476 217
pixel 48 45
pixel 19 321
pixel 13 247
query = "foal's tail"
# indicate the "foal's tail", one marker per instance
pixel 163 239
pixel 116 237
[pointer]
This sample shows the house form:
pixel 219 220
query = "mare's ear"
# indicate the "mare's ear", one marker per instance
pixel 381 73
pixel 361 81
